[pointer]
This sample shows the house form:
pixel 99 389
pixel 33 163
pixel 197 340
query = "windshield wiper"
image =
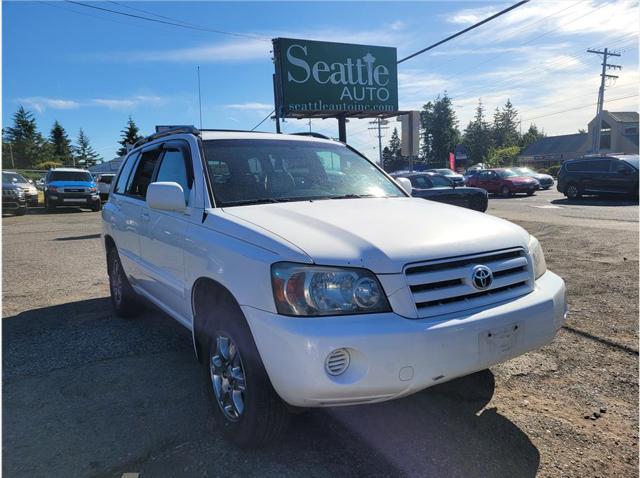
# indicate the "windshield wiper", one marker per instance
pixel 246 202
pixel 353 196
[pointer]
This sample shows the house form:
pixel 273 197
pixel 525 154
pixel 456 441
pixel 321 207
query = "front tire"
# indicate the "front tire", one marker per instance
pixel 505 191
pixel 246 408
pixel 123 298
pixel 48 206
pixel 21 211
pixel 97 207
pixel 572 191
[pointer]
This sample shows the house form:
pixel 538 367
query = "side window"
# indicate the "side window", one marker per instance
pixel 174 168
pixel 140 180
pixel 124 174
pixel 420 182
pixel 601 165
pixel 621 167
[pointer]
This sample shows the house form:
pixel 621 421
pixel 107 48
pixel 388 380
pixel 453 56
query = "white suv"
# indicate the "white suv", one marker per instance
pixel 309 278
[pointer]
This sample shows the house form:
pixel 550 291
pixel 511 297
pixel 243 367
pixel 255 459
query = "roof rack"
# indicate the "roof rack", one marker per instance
pixel 167 132
pixel 312 134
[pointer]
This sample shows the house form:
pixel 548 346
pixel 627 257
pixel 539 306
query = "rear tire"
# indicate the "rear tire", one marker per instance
pixel 21 211
pixel 48 206
pixel 124 300
pixel 505 191
pixel 246 408
pixel 572 191
pixel 529 193
pixel 97 207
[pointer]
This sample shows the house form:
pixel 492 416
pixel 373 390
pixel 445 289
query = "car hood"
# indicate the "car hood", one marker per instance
pixel 542 176
pixel 455 176
pixel 521 179
pixel 380 234
pixel 72 184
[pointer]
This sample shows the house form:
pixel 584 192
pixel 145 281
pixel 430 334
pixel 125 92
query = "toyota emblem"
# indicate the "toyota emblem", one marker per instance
pixel 481 277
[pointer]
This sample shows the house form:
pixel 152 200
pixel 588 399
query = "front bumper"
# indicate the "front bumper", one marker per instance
pixel 73 199
pixel 524 188
pixel 392 356
pixel 13 202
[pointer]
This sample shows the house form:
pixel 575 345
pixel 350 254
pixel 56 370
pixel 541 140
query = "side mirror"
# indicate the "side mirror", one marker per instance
pixel 30 181
pixel 166 196
pixel 405 184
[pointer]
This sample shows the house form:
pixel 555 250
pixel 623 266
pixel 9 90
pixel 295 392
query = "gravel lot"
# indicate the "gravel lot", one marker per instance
pixel 86 394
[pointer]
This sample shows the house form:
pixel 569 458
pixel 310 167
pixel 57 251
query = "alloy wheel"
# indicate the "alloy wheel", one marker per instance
pixel 227 378
pixel 572 191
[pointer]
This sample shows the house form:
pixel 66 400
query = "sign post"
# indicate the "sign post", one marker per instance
pixel 334 80
pixel 410 141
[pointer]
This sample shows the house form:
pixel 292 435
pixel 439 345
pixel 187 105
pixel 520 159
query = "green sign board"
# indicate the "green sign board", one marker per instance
pixel 323 79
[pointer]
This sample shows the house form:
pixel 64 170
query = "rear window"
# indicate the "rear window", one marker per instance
pixel 70 176
pixel 106 179
pixel 594 165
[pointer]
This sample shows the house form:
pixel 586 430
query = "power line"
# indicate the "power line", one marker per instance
pixel 475 25
pixel 265 119
pixel 199 27
pixel 524 43
pixel 173 23
pixel 578 108
pixel 520 30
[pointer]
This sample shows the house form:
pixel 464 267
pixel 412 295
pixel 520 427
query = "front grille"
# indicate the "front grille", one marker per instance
pixel 444 286
pixel 73 190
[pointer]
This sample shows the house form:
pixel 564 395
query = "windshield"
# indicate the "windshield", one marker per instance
pixel 256 171
pixel 631 159
pixel 439 181
pixel 12 178
pixel 524 171
pixel 507 173
pixel 70 176
pixel 444 172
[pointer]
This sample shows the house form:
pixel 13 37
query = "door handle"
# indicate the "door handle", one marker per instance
pixel 145 216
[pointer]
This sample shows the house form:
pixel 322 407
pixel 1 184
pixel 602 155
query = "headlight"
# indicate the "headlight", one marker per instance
pixel 311 290
pixel 539 264
pixel 92 190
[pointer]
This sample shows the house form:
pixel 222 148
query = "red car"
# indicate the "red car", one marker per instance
pixel 503 181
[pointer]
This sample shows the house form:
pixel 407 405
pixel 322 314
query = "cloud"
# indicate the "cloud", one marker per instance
pixel 40 104
pixel 244 50
pixel 397 25
pixel 126 103
pixel 252 105
pixel 469 16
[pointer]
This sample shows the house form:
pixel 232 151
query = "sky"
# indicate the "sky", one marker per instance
pixel 92 69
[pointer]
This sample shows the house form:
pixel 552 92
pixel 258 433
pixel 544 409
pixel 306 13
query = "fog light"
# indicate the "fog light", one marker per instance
pixel 337 362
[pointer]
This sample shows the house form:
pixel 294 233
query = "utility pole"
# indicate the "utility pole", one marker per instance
pixel 199 97
pixel 595 146
pixel 309 125
pixel 13 164
pixel 379 124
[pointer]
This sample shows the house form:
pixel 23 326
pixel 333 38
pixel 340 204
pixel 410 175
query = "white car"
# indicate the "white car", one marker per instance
pixel 103 182
pixel 309 278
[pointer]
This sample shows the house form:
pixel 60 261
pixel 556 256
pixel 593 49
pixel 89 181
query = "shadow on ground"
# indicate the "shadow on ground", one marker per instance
pixel 87 394
pixel 596 201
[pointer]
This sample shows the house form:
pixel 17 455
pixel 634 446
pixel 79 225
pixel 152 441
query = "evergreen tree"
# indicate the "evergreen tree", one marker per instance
pixel 395 145
pixel 477 138
pixel 27 144
pixel 426 129
pixel 130 135
pixel 387 157
pixel 85 156
pixel 61 149
pixel 505 126
pixel 440 130
pixel 531 136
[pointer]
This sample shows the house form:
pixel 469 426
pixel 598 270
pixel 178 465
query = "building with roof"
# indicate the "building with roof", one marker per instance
pixel 619 134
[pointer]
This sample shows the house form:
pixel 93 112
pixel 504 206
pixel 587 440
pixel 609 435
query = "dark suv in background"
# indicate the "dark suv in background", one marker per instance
pixel 599 175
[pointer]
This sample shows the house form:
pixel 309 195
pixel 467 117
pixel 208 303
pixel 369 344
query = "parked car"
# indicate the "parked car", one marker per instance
pixel 301 290
pixel 27 186
pixel 469 173
pixel 13 197
pixel 70 187
pixel 503 181
pixel 456 178
pixel 599 175
pixel 103 182
pixel 436 187
pixel 545 180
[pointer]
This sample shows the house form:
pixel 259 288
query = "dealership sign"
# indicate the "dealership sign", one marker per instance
pixel 330 79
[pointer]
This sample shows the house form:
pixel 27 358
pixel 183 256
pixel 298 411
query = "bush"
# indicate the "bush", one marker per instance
pixel 553 170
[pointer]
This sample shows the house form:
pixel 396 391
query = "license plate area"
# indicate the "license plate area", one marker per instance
pixel 75 200
pixel 499 343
